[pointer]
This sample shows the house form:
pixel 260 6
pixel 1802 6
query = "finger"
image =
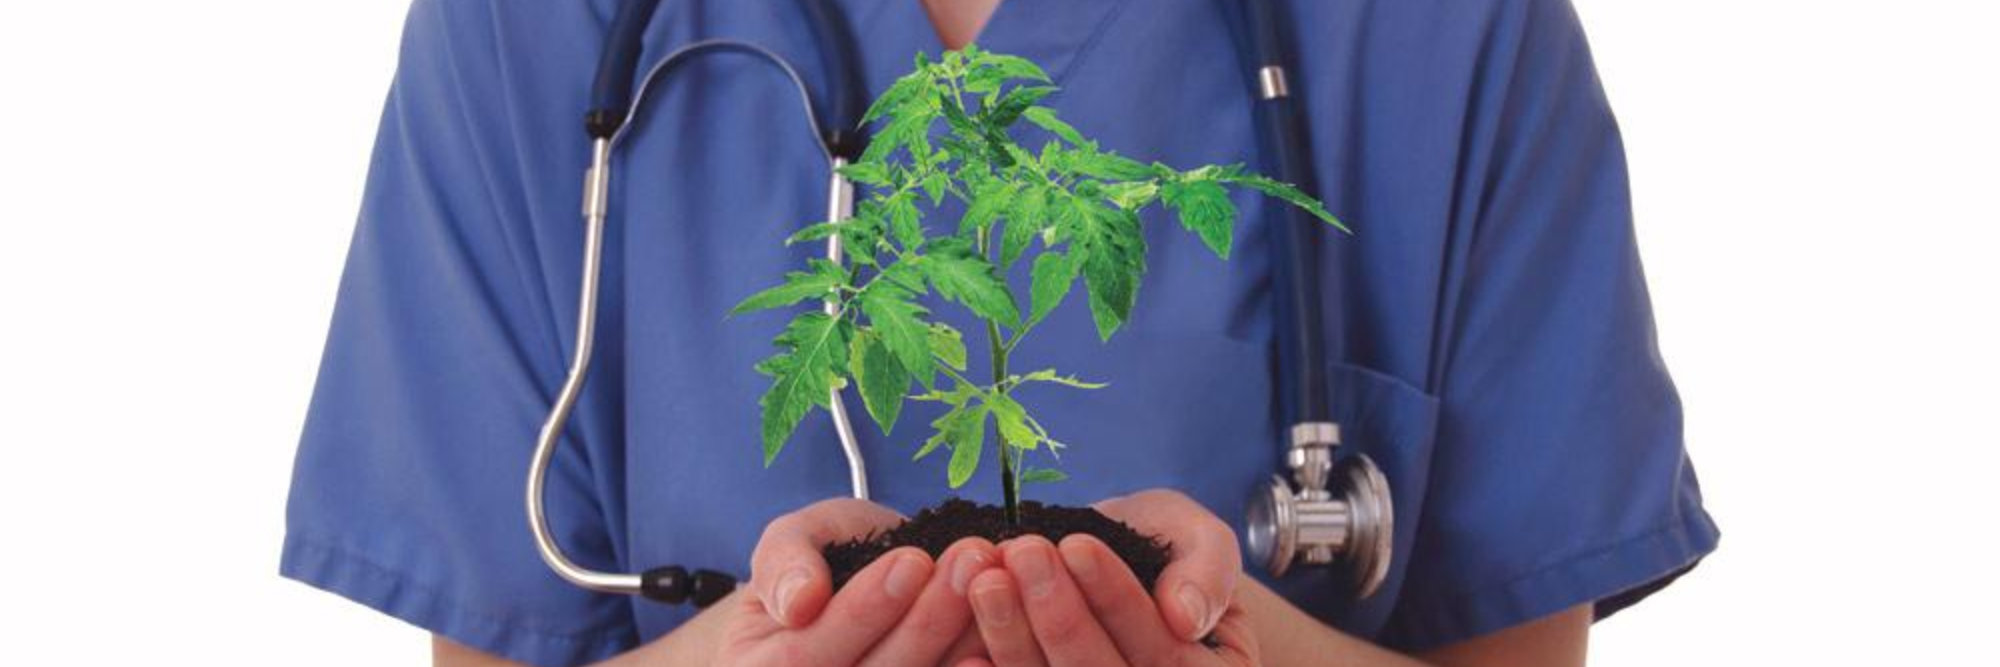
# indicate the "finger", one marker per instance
pixel 969 645
pixel 1003 624
pixel 941 614
pixel 787 571
pixel 1063 625
pixel 1236 642
pixel 1118 601
pixel 1200 578
pixel 972 662
pixel 867 608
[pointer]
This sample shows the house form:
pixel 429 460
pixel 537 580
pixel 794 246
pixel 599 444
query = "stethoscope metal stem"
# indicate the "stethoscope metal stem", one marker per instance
pixel 597 186
pixel 840 206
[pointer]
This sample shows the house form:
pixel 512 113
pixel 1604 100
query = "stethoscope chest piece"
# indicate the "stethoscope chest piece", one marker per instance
pixel 1341 514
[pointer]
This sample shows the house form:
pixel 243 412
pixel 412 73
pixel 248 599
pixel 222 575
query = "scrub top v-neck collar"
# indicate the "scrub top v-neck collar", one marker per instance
pixel 1057 34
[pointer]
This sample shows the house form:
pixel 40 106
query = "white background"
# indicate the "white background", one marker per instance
pixel 1815 184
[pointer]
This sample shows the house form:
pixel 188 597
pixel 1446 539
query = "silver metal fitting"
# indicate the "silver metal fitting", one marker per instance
pixel 597 181
pixel 1271 82
pixel 1340 513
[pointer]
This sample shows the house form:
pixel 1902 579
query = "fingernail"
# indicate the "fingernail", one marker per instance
pixel 788 589
pixel 1198 610
pixel 1082 566
pixel 1031 564
pixel 963 567
pixel 991 605
pixel 905 575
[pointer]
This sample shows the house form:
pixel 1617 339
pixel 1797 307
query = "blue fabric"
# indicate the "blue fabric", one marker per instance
pixel 1501 364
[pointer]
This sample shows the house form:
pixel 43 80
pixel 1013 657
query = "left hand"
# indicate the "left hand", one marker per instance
pixel 1078 604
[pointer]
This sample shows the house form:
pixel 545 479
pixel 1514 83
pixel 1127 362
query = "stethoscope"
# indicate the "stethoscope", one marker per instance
pixel 1340 511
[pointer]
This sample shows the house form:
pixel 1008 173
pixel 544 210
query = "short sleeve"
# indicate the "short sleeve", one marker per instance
pixel 442 355
pixel 1560 476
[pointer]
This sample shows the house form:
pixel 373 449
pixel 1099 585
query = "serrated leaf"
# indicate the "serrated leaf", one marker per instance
pixel 1113 256
pixel 968 279
pixel 936 185
pixel 824 278
pixel 1014 103
pixel 899 92
pixel 968 437
pixel 1046 119
pixel 1204 208
pixel 1012 420
pixel 1290 194
pixel 900 323
pixel 803 376
pixel 904 220
pixel 988 202
pixel 881 379
pixel 910 127
pixel 1015 238
pixel 866 173
pixel 1049 375
pixel 817 231
pixel 1042 476
pixel 1109 166
pixel 948 345
pixel 1052 277
pixel 1015 67
pixel 1132 195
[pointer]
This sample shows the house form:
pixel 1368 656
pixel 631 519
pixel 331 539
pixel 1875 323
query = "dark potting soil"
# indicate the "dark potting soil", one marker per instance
pixel 936 528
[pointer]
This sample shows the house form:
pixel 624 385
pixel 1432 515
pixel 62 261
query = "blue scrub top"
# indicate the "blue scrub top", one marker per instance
pixel 1501 366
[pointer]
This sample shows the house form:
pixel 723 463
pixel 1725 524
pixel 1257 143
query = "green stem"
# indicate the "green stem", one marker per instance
pixel 1010 485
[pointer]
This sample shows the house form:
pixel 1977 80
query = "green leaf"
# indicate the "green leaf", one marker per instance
pixel 1114 259
pixel 1042 476
pixel 817 231
pixel 1132 195
pixel 1017 236
pixel 910 127
pixel 948 345
pixel 1016 67
pixel 966 278
pixel 867 173
pixel 1110 166
pixel 988 202
pixel 968 437
pixel 1204 208
pixel 824 278
pixel 1014 103
pixel 1046 119
pixel 802 376
pixel 904 219
pixel 936 185
pixel 1012 420
pixel 1053 275
pixel 1290 194
pixel 903 90
pixel 1049 375
pixel 881 379
pixel 900 323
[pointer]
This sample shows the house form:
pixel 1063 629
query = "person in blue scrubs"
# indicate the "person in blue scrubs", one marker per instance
pixel 1501 360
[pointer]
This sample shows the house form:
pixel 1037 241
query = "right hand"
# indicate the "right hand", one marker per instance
pixel 903 609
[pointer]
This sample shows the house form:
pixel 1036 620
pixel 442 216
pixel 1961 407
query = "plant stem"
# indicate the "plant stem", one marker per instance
pixel 1010 487
pixel 1009 481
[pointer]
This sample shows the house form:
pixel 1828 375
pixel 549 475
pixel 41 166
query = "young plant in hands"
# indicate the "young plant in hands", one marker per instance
pixel 1069 209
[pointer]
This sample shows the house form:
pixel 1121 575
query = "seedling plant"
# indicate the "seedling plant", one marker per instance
pixel 1070 209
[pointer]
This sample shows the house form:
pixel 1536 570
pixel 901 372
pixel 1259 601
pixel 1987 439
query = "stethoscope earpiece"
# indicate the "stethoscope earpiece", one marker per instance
pixel 1341 513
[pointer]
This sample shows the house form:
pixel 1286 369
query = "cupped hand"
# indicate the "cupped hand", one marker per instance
pixel 901 609
pixel 1079 604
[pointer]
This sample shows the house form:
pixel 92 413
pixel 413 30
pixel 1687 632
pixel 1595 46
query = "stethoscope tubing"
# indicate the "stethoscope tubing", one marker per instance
pixel 596 206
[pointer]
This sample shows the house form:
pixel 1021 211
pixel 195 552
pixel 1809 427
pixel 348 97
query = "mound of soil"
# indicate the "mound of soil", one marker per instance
pixel 937 528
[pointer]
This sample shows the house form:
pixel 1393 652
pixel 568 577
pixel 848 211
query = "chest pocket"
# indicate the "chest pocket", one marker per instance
pixel 1394 423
